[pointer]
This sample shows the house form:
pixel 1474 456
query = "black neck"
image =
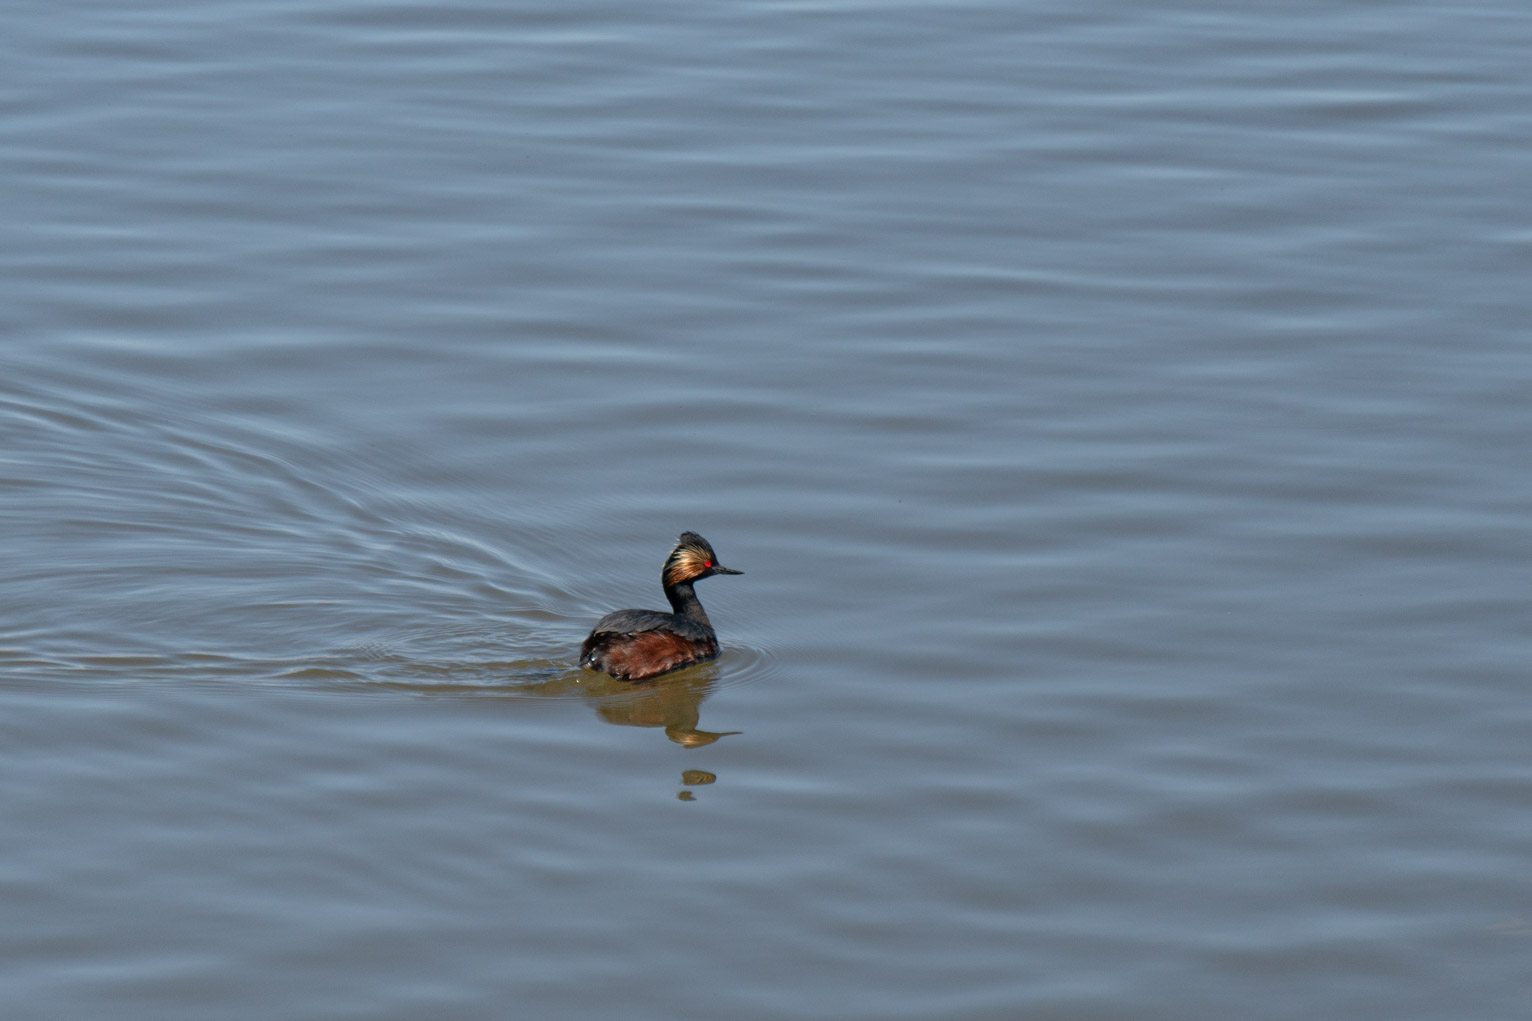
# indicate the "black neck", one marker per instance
pixel 684 601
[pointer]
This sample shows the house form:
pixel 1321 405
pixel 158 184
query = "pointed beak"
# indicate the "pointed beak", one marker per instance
pixel 720 569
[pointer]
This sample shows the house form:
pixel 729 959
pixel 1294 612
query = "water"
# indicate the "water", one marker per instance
pixel 1120 414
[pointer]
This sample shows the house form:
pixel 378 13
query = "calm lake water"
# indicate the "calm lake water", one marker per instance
pixel 1121 414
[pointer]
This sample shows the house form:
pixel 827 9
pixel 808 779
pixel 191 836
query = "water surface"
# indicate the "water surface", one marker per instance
pixel 1119 414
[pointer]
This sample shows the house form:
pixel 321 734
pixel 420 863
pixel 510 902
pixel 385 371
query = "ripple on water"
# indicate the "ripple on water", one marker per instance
pixel 519 659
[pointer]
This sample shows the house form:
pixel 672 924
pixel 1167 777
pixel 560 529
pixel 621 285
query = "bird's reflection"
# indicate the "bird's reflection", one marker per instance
pixel 694 778
pixel 672 701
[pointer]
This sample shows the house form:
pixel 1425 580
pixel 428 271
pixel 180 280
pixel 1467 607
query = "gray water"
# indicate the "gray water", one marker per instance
pixel 1121 415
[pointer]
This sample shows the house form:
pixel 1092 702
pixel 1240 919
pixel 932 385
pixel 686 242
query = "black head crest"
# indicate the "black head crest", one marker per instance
pixel 692 558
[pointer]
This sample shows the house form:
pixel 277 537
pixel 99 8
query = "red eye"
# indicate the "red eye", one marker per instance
pixel 707 563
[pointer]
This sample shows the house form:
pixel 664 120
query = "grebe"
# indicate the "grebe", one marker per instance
pixel 634 645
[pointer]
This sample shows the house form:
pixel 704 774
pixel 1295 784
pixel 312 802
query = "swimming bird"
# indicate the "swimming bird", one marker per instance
pixel 634 645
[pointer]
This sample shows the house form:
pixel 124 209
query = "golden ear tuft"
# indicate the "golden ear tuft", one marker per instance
pixel 690 559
